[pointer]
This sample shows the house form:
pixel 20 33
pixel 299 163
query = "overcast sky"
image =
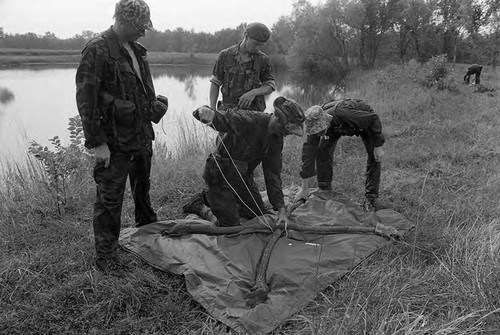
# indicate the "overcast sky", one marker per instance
pixel 66 18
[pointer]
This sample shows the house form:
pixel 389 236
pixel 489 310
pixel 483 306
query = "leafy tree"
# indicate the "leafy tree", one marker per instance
pixel 411 25
pixel 477 14
pixel 451 14
pixel 379 18
pixel 283 34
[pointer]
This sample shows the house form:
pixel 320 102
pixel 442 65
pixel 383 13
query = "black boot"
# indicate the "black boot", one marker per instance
pixel 372 205
pixel 110 266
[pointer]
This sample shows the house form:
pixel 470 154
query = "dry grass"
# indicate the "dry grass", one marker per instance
pixel 441 171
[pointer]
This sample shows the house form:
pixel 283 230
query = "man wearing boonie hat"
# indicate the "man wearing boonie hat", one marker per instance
pixel 117 103
pixel 242 73
pixel 324 127
pixel 250 138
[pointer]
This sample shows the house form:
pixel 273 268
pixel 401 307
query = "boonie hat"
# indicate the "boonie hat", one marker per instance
pixel 134 11
pixel 317 120
pixel 258 31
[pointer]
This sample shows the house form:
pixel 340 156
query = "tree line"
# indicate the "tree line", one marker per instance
pixel 337 35
pixel 343 33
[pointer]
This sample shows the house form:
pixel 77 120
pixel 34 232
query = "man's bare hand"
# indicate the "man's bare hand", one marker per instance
pixel 102 154
pixel 246 100
pixel 379 153
pixel 303 194
pixel 282 220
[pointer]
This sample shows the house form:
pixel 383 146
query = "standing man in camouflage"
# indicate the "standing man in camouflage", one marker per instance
pixel 243 73
pixel 117 103
pixel 324 126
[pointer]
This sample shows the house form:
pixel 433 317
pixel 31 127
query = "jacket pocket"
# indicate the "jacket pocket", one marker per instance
pixel 124 120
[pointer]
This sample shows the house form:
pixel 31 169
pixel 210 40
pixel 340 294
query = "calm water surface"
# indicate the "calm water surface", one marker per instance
pixel 42 100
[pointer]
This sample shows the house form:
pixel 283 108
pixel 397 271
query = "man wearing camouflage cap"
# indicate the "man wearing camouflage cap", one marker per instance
pixel 243 73
pixel 117 103
pixel 250 138
pixel 324 127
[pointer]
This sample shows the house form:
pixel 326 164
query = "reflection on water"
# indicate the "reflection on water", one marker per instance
pixel 6 96
pixel 45 100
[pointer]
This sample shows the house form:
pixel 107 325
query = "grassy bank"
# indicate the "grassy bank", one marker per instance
pixel 13 57
pixel 441 171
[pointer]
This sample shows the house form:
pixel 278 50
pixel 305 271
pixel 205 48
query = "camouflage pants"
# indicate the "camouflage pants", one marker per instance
pixel 324 166
pixel 229 205
pixel 111 183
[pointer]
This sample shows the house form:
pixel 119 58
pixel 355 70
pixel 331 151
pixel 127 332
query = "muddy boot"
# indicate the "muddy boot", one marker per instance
pixel 197 206
pixel 110 266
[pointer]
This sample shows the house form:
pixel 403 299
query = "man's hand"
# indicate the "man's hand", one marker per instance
pixel 206 114
pixel 303 194
pixel 282 221
pixel 304 190
pixel 378 153
pixel 102 154
pixel 246 100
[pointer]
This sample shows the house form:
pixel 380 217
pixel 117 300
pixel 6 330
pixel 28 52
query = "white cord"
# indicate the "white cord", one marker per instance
pixel 232 188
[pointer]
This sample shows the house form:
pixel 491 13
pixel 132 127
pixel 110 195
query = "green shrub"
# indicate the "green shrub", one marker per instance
pixel 436 73
pixel 65 166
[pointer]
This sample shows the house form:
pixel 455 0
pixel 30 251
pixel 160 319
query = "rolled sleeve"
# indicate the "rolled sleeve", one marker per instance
pixel 271 84
pixel 267 74
pixel 218 69
pixel 216 81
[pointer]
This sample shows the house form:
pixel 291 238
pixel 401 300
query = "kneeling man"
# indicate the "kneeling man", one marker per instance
pixel 250 138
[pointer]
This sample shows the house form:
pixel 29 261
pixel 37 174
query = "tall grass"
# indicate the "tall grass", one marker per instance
pixel 441 171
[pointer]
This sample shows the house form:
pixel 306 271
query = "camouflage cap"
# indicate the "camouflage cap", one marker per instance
pixel 134 11
pixel 258 31
pixel 317 120
pixel 288 111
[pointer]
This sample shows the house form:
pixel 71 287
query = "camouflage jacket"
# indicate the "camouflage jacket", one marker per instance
pixel 249 143
pixel 236 77
pixel 354 117
pixel 350 117
pixel 114 104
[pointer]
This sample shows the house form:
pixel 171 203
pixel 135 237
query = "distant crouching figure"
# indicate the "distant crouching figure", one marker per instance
pixel 473 69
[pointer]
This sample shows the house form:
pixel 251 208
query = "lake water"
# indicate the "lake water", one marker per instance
pixel 38 100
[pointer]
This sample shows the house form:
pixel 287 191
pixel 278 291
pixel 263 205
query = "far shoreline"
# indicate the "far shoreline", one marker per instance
pixel 20 57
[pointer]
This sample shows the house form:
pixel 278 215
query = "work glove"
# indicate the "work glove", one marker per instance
pixel 204 114
pixel 159 108
pixel 162 99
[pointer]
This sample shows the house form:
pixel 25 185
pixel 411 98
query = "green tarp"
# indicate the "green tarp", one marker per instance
pixel 220 270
